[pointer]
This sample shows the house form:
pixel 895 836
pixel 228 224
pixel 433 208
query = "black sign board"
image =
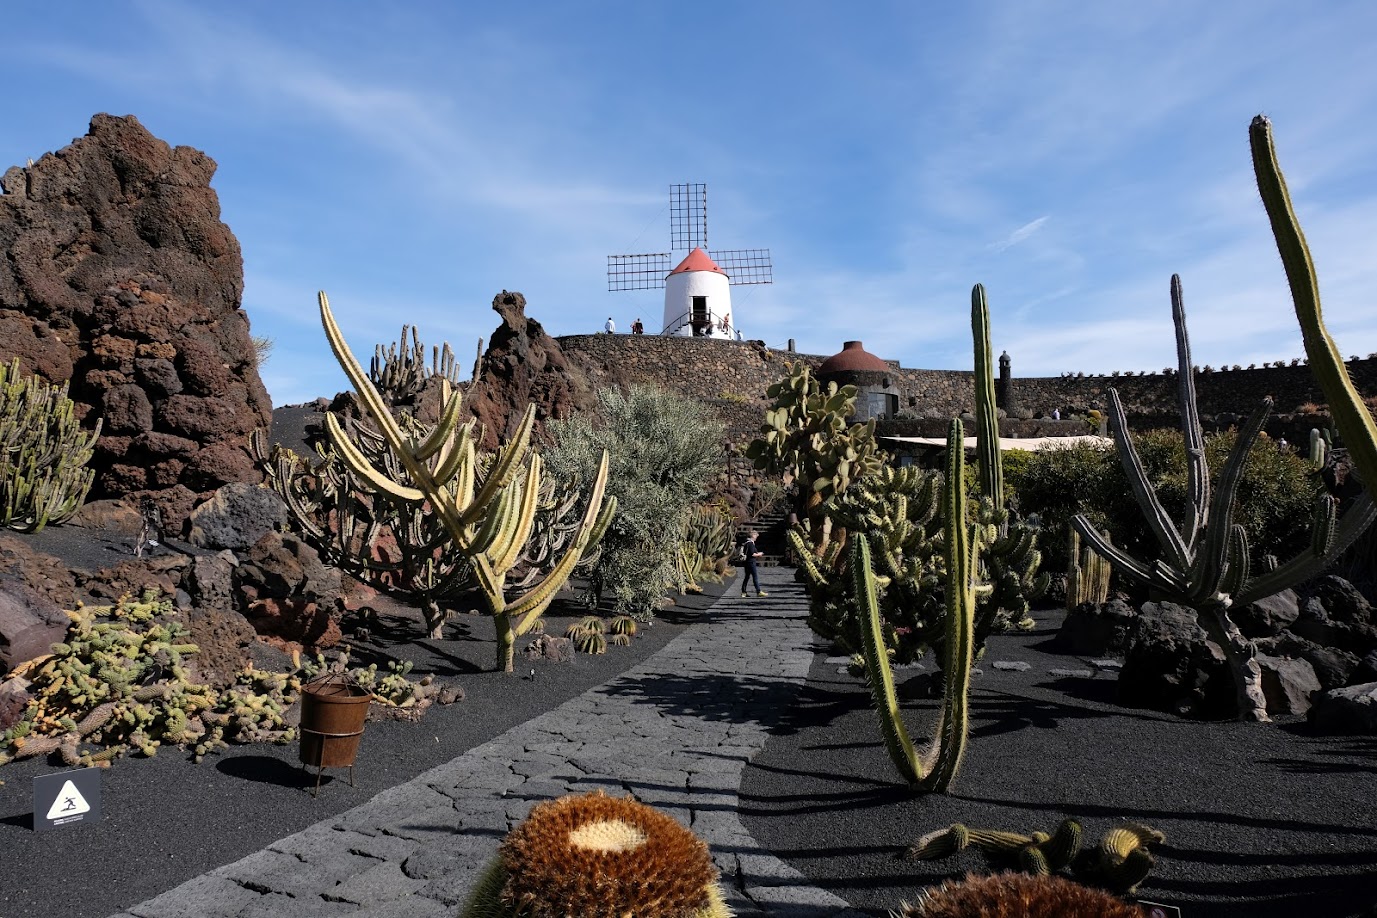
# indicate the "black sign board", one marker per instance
pixel 66 798
pixel 1158 910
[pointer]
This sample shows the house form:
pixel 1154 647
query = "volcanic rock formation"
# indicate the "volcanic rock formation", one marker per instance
pixel 524 365
pixel 122 279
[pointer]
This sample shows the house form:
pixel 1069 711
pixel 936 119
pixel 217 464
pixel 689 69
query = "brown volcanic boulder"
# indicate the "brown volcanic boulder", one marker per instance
pixel 122 278
pixel 524 365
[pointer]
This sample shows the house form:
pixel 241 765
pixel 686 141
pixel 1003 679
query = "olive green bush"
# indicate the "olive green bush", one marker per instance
pixel 1275 496
pixel 664 451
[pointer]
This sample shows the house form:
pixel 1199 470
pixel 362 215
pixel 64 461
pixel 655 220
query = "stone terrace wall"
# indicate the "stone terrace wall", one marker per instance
pixel 709 369
pixel 1219 392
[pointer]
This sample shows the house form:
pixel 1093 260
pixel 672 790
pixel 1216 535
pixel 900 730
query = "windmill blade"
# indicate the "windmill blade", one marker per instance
pixel 745 266
pixel 637 272
pixel 688 216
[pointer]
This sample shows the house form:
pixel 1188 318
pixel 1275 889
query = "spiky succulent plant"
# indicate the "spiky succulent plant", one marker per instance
pixel 591 855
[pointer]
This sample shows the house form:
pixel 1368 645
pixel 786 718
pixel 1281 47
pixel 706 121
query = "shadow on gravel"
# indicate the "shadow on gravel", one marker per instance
pixel 1151 815
pixel 712 697
pixel 1003 712
pixel 265 769
pixel 19 820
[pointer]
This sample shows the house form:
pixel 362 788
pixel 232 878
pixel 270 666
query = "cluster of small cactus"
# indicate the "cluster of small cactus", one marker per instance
pixel 121 680
pixel 897 512
pixel 487 514
pixel 588 635
pixel 706 545
pixel 43 452
pixel 390 689
pixel 1118 863
pixel 591 635
pixel 596 855
pixel 1087 574
pixel 400 371
pixel 1205 564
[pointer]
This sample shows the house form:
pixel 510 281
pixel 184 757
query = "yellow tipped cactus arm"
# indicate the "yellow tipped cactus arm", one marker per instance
pixel 595 521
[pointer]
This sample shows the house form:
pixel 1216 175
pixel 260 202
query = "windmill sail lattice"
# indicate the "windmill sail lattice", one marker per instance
pixel 688 229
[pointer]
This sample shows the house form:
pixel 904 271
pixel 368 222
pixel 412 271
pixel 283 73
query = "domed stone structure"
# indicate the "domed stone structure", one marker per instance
pixel 874 378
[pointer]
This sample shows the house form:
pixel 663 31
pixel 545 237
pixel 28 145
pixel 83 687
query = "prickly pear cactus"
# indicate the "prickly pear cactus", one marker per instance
pixel 806 438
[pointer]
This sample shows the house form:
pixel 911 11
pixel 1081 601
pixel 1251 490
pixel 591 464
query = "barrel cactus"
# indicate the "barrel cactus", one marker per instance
pixel 592 854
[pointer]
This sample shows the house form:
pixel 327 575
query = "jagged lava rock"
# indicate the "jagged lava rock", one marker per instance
pixel 122 279
pixel 1172 665
pixel 1346 711
pixel 523 365
pixel 236 516
pixel 1288 684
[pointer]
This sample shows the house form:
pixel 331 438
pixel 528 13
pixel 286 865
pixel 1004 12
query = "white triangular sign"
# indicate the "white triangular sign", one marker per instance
pixel 69 802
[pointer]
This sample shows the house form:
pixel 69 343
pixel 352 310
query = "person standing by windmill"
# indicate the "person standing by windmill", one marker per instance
pixel 610 327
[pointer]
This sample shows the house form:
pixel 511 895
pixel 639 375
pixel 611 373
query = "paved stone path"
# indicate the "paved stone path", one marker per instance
pixel 674 732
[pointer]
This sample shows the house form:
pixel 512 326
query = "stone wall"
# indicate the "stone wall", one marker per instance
pixel 720 373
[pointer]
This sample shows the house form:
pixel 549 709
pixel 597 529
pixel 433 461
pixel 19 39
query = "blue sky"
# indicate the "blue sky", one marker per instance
pixel 413 159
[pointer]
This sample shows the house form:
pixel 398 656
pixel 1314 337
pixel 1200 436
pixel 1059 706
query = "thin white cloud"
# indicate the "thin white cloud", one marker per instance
pixel 1020 234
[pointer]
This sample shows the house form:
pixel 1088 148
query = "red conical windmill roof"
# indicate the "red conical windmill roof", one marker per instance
pixel 698 260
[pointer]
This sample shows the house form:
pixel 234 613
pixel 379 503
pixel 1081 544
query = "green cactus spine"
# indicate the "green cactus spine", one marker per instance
pixel 1351 416
pixel 936 770
pixel 488 523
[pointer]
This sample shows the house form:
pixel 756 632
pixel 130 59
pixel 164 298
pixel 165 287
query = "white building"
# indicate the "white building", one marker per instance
pixel 698 300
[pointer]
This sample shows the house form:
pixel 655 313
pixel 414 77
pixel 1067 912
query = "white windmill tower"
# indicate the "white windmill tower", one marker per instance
pixel 698 299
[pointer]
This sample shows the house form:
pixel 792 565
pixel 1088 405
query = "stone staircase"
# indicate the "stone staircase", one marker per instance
pixel 772 527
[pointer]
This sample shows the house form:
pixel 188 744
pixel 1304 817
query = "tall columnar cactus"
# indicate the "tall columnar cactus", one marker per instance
pixel 43 452
pixel 1319 448
pixel 1206 564
pixel 1351 416
pixel 1011 559
pixel 935 769
pixel 490 523
pixel 1087 574
pixel 986 415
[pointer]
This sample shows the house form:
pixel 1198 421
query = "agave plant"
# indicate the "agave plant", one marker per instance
pixel 1205 564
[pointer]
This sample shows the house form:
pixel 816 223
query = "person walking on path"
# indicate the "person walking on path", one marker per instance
pixel 637 328
pixel 749 553
pixel 610 327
